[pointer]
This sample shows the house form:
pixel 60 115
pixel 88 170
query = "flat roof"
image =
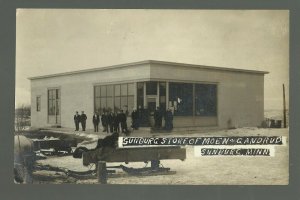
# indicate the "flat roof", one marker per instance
pixel 150 62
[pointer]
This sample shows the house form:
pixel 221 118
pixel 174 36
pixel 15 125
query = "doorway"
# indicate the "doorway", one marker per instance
pixel 151 105
pixel 54 106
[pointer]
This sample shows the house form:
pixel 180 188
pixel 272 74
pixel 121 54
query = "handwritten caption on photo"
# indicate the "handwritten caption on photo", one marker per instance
pixel 212 146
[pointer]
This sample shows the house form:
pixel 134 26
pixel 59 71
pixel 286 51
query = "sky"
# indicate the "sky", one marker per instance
pixel 51 41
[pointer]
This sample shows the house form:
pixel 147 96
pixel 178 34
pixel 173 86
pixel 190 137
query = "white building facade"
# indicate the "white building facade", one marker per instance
pixel 199 96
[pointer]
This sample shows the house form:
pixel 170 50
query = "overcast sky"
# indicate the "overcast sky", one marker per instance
pixel 58 40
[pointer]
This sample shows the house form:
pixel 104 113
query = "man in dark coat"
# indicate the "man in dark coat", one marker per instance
pixel 157 118
pixel 76 121
pixel 96 121
pixel 104 121
pixel 110 118
pixel 123 120
pixel 116 123
pixel 83 119
pixel 135 119
pixel 169 120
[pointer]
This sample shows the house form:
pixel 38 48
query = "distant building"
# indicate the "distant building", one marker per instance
pixel 198 95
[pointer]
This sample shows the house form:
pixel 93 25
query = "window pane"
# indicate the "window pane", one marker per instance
pixel 51 107
pixel 109 104
pixel 117 104
pixel 130 89
pixel 51 102
pixel 97 105
pixel 130 104
pixel 124 103
pixel 151 88
pixel 110 90
pixel 57 107
pixel 162 89
pixel 52 94
pixel 103 102
pixel 124 89
pixel 97 91
pixel 49 94
pixel 117 90
pixel 103 91
pixel 181 98
pixel 140 85
pixel 57 94
pixel 206 99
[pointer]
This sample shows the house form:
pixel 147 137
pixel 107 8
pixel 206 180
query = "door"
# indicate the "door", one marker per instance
pixel 151 106
pixel 54 106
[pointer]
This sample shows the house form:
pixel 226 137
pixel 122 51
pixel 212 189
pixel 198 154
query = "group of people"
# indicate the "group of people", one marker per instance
pixel 110 121
pixel 116 122
pixel 80 119
pixel 137 117
pixel 169 120
pixel 158 116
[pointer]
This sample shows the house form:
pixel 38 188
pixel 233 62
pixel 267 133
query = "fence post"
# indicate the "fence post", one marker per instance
pixel 101 172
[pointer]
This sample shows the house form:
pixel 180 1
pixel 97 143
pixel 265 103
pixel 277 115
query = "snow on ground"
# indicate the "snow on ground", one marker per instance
pixel 192 171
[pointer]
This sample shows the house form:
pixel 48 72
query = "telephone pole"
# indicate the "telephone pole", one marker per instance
pixel 284 108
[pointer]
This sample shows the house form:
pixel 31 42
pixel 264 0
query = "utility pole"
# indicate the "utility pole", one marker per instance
pixel 284 108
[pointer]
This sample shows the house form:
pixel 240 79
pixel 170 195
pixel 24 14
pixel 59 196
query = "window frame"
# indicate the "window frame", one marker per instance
pixel 193 102
pixel 115 98
pixel 38 103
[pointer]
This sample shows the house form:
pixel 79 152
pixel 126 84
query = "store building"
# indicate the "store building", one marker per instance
pixel 199 96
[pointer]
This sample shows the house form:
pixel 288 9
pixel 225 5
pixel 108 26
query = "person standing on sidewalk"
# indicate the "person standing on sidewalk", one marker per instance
pixel 76 121
pixel 96 121
pixel 83 119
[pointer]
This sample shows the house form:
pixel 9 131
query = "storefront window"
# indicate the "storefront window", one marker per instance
pixel 124 90
pixel 151 88
pixel 109 104
pixel 181 98
pixel 117 90
pixel 110 91
pixel 117 104
pixel 124 105
pixel 130 89
pixel 114 98
pixel 130 103
pixel 103 91
pixel 205 99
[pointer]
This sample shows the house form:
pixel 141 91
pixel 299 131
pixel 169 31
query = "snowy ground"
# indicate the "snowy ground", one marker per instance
pixel 192 171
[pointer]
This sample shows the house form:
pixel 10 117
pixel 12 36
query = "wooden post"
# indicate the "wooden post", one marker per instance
pixel 284 108
pixel 155 164
pixel 101 172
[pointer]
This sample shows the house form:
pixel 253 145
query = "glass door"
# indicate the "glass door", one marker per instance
pixel 151 105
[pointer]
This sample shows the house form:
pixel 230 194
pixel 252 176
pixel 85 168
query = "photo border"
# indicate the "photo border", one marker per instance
pixel 9 190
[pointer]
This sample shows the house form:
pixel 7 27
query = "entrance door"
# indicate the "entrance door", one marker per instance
pixel 151 106
pixel 54 106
